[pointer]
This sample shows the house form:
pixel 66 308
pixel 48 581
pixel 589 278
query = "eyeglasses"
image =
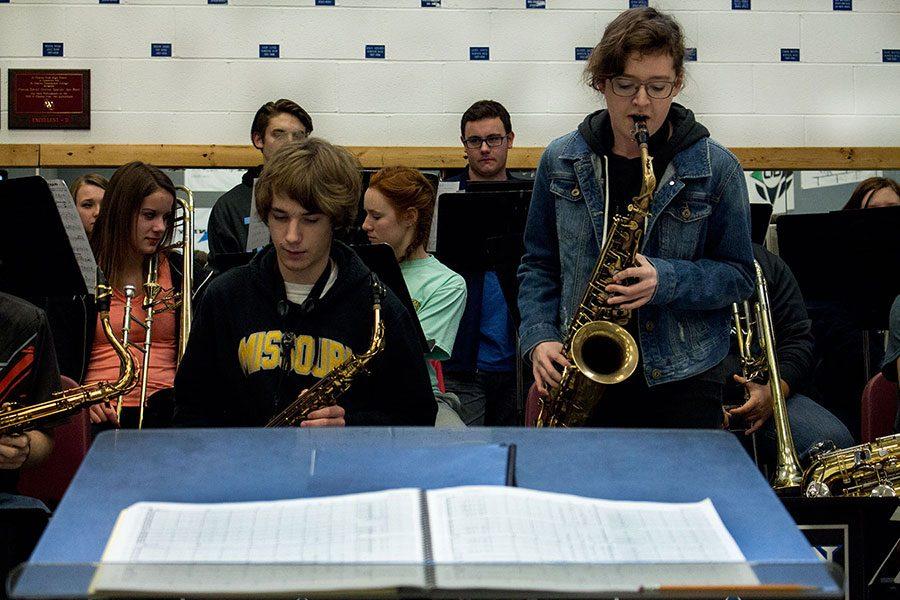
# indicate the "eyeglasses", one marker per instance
pixel 492 141
pixel 628 87
pixel 296 136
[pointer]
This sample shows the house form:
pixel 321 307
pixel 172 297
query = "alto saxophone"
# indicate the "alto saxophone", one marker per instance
pixel 600 350
pixel 328 390
pixel 754 367
pixel 16 419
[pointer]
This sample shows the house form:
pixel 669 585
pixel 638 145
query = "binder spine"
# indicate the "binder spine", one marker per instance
pixel 430 581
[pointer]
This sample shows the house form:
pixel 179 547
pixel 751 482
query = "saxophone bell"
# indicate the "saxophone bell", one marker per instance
pixel 604 352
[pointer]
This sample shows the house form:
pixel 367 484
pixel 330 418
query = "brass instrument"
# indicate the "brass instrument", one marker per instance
pixel 601 351
pixel 16 419
pixel 328 390
pixel 866 470
pixel 155 300
pixel 756 325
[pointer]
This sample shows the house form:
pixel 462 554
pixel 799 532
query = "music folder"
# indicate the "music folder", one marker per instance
pixel 44 250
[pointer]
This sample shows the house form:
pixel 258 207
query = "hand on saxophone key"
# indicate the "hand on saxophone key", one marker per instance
pixel 638 292
pixel 103 412
pixel 330 416
pixel 544 358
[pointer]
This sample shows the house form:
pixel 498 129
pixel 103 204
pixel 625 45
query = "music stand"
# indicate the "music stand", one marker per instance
pixel 381 260
pixel 850 256
pixel 481 232
pixel 509 185
pixel 36 257
pixel 760 217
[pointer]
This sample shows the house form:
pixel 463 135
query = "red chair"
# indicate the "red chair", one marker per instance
pixel 439 374
pixel 532 408
pixel 879 408
pixel 49 480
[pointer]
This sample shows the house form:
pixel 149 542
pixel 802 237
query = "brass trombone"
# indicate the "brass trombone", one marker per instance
pixel 755 325
pixel 156 299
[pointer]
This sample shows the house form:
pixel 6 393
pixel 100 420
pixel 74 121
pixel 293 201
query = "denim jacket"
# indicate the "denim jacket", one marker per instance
pixel 697 237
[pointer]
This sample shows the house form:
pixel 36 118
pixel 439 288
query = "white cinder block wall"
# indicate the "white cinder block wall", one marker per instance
pixel 840 93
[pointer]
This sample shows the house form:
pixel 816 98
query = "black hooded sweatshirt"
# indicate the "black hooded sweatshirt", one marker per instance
pixel 235 372
pixel 680 131
pixel 228 225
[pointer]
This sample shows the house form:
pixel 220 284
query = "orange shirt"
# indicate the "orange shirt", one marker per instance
pixel 104 363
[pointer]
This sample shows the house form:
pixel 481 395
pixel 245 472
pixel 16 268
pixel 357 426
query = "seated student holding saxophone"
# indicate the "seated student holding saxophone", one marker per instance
pixel 134 225
pixel 693 263
pixel 810 423
pixel 399 207
pixel 87 192
pixel 28 374
pixel 303 307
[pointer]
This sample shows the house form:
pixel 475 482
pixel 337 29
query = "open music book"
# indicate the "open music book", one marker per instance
pixel 463 538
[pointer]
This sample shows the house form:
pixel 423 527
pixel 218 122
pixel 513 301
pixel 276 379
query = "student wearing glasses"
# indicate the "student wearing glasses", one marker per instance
pixel 274 125
pixel 696 257
pixel 482 370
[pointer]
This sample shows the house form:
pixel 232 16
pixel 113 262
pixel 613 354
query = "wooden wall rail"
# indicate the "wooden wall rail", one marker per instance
pixel 215 156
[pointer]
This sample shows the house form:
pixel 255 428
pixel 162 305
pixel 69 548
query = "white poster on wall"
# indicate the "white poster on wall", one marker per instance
pixel 774 187
pixel 810 180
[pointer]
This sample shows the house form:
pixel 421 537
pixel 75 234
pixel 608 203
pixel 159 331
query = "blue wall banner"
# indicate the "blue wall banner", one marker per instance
pixel 535 3
pixel 217 1
pixel 324 2
pixel 582 53
pixel 161 50
pixel 842 5
pixel 374 50
pixel 740 4
pixel 53 49
pixel 431 3
pixel 109 1
pixel 638 3
pixel 890 55
pixel 690 54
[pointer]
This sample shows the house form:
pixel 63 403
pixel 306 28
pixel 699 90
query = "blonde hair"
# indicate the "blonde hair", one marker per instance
pixel 321 177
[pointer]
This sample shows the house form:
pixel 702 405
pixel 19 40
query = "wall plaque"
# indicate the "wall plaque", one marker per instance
pixel 49 99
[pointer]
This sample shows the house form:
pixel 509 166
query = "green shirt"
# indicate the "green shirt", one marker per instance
pixel 439 297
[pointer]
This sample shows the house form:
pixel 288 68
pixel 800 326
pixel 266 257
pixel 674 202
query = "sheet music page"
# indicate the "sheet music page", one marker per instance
pixel 263 548
pixel 375 527
pixel 78 239
pixel 444 187
pixel 258 233
pixel 484 524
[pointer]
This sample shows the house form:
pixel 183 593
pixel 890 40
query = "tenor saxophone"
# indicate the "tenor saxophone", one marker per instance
pixel 597 345
pixel 328 390
pixel 871 469
pixel 16 419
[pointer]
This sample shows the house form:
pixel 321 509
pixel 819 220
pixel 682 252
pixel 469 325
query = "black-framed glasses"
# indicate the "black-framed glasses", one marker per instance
pixel 628 87
pixel 474 142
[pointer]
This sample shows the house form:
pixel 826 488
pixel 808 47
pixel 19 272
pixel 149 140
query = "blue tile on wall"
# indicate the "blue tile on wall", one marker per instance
pixel 790 54
pixel 740 4
pixel 479 53
pixel 890 55
pixel 535 3
pixel 109 1
pixel 374 50
pixel 638 3
pixel 269 51
pixel 690 54
pixel 324 2
pixel 841 4
pixel 431 3
pixel 582 53
pixel 161 50
pixel 53 49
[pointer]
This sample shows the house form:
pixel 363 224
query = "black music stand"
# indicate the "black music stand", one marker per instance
pixel 36 257
pixel 483 231
pixel 507 185
pixel 381 260
pixel 851 257
pixel 760 217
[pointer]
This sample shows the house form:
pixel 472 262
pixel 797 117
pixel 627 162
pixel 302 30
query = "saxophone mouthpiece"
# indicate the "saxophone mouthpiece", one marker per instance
pixel 640 132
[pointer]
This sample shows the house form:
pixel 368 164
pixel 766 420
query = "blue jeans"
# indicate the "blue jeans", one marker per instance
pixel 810 423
